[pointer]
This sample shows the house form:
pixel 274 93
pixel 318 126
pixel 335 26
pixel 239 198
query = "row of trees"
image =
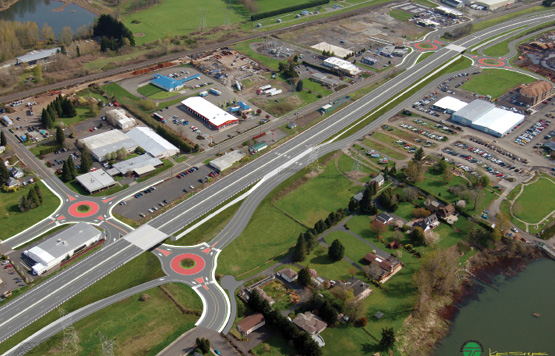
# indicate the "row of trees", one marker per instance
pixel 389 200
pixel 304 344
pixel 288 69
pixel 113 32
pixel 69 171
pixel 4 173
pixel 33 199
pixel 59 108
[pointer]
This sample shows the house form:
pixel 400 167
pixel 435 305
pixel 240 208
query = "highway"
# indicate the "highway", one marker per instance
pixel 270 169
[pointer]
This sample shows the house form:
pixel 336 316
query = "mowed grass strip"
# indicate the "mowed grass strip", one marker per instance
pixel 496 82
pixel 319 260
pixel 13 221
pixel 127 323
pixel 534 203
pixel 355 249
pixel 141 269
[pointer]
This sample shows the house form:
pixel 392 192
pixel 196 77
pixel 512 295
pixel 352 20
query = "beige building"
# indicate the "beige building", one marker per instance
pixel 532 94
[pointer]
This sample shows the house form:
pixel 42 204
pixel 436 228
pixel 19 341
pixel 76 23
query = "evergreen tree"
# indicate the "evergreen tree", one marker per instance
pixel 373 187
pixel 23 204
pixel 33 198
pixel 366 204
pixel 336 250
pixel 299 85
pixel 72 168
pixel 86 161
pixel 311 240
pixel 58 106
pixel 388 338
pixel 328 313
pixel 39 193
pixel 3 141
pixel 419 154
pixel 300 249
pixel 4 173
pixel 66 173
pixel 353 205
pixel 393 170
pixel 60 136
pixel 417 236
pixel 68 108
pixel 304 277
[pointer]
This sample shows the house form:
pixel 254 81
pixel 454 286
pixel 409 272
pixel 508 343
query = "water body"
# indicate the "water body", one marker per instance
pixel 40 11
pixel 503 321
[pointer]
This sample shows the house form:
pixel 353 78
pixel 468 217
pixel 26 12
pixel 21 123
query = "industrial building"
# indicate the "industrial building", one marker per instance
pixel 447 11
pixel 118 118
pixel 107 142
pixel 34 56
pixel 96 181
pixel 169 84
pixel 448 105
pixel 484 116
pixel 257 147
pixel 342 66
pixel 324 79
pixel 494 4
pixel 454 3
pixel 532 94
pixel 151 142
pixel 370 60
pixel 427 23
pixel 224 162
pixel 6 120
pixel 215 117
pixel 61 246
pixel 129 165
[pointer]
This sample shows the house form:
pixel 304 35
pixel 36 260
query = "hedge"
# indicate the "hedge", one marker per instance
pixel 48 150
pixel 285 10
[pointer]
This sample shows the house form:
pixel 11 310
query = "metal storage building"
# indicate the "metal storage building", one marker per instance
pixel 169 84
pixel 342 65
pixel 65 244
pixel 224 162
pixel 107 142
pixel 129 165
pixel 215 117
pixel 494 4
pixel 117 117
pixel 448 105
pixel 34 56
pixel 96 181
pixel 151 142
pixel 484 116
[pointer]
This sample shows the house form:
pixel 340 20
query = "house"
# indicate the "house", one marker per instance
pixel 427 223
pixel 433 205
pixel 446 211
pixel 250 324
pixel 257 147
pixel 264 296
pixel 288 274
pixel 384 218
pixel 358 196
pixel 12 182
pixel 17 172
pixel 310 323
pixel 395 245
pixel 291 125
pixel 387 266
pixel 379 179
pixel 361 290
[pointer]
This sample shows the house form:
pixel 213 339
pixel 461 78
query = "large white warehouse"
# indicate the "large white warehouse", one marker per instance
pixel 342 66
pixel 107 142
pixel 118 118
pixel 484 116
pixel 215 117
pixel 65 244
pixel 151 142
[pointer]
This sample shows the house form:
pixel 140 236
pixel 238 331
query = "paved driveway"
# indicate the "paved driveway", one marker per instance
pixel 186 343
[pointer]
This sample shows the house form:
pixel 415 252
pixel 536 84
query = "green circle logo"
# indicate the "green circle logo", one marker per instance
pixel 472 348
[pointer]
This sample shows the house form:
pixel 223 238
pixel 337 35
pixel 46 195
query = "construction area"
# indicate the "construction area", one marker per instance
pixel 538 56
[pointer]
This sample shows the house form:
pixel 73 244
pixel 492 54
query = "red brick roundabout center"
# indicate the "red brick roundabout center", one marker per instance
pixel 176 264
pixel 74 209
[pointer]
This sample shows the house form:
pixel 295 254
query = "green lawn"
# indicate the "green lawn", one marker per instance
pixel 532 205
pixel 326 267
pixel 355 249
pixel 83 114
pixel 423 56
pixel 13 220
pixel 278 347
pixel 142 269
pixel 108 62
pixel 126 322
pixel 244 48
pixel 338 190
pixel 117 91
pixel 316 87
pixel 400 15
pixel 167 164
pixel 278 292
pixel 383 148
pixel 496 82
pixel 177 18
pixel 155 93
pixel 271 5
pixel 497 20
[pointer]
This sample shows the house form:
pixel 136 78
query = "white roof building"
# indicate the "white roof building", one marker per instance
pixel 224 162
pixel 342 65
pixel 34 56
pixel 449 104
pixel 484 116
pixel 494 4
pixel 65 244
pixel 107 142
pixel 215 117
pixel 448 11
pixel 151 142
pixel 129 165
pixel 96 180
pixel 118 118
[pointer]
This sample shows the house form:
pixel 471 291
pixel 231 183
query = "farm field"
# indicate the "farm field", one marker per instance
pixel 126 322
pixel 155 93
pixel 495 82
pixel 532 205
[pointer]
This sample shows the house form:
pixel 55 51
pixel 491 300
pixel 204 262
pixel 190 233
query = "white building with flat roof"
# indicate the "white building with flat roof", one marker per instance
pixel 61 246
pixel 151 142
pixel 118 118
pixel 448 104
pixel 215 117
pixel 96 181
pixel 132 164
pixel 486 117
pixel 494 4
pixel 224 162
pixel 107 142
pixel 342 66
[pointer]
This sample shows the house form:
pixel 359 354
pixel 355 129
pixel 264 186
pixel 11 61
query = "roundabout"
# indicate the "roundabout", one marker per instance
pixel 187 264
pixel 83 209
pixel 425 46
pixel 491 62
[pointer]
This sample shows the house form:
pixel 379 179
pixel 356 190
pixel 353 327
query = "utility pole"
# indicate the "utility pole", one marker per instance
pixel 107 345
pixel 70 343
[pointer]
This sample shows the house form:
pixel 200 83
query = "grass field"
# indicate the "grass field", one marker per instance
pixel 502 48
pixel 155 93
pixel 142 269
pixel 244 48
pixel 532 205
pixel 382 147
pixel 423 56
pixel 117 91
pixel 278 347
pixel 355 249
pixel 14 221
pixel 496 82
pixel 126 322
pixel 338 192
pixel 497 20
pixel 318 260
pixel 400 15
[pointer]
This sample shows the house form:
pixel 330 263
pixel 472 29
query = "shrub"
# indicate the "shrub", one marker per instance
pixel 361 322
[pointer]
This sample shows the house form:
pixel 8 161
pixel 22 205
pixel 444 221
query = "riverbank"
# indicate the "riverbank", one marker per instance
pixel 9 4
pixel 422 334
pixel 94 7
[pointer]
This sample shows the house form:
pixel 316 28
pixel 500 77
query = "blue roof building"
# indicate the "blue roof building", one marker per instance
pixel 243 105
pixel 169 84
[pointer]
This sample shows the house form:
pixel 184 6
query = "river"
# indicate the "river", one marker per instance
pixel 502 321
pixel 40 11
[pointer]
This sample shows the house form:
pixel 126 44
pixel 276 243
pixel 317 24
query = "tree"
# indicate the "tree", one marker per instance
pixel 420 213
pixel 408 194
pixel 66 173
pixel 311 240
pixel 366 204
pixel 300 249
pixel 419 154
pixel 448 175
pixel 66 36
pixel 353 205
pixel 4 173
pixel 23 204
pixel 3 141
pixel 304 277
pixel 109 27
pixel 140 151
pixel 33 198
pixel 377 227
pixel 86 161
pixel 39 193
pixel 414 171
pixel 299 87
pixel 60 136
pixel 47 33
pixel 442 166
pixel 121 153
pixel 328 313
pixel 496 234
pixel 437 274
pixel 203 345
pixel 72 168
pixel 417 236
pixel 37 73
pixel 68 109
pixel 93 109
pixel 336 250
pixel 388 338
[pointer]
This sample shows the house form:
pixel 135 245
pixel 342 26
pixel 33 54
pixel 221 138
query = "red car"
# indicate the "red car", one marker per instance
pixel 8 266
